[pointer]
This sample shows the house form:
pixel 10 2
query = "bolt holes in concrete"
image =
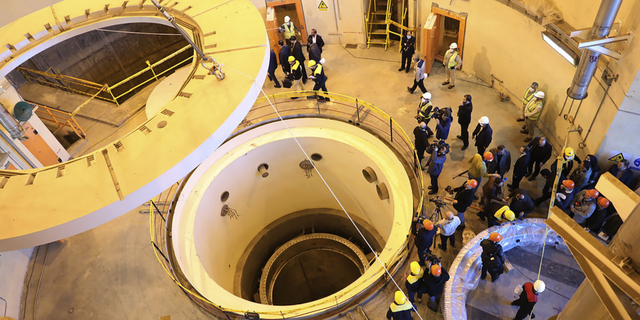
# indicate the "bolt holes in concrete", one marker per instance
pixel 225 196
pixel 369 175
pixel 316 157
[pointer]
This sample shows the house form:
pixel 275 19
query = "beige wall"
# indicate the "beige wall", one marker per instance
pixel 503 42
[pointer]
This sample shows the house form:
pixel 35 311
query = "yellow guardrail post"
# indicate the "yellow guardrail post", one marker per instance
pixel 112 96
pixel 151 68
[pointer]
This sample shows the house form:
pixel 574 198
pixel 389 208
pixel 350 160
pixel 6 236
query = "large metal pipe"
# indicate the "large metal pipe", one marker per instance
pixel 589 60
pixel 10 123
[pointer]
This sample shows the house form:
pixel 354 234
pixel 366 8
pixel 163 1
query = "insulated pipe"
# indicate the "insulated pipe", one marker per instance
pixel 589 59
pixel 10 123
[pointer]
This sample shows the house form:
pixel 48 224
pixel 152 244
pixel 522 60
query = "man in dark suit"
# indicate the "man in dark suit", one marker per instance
pixel 314 37
pixel 408 49
pixel 273 65
pixel 464 119
pixel 540 151
pixel 501 163
pixel 421 140
pixel 520 168
pixel 297 53
pixel 285 52
pixel 521 203
pixel 622 172
pixel 483 134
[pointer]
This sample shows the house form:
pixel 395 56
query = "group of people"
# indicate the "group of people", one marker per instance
pixel 292 60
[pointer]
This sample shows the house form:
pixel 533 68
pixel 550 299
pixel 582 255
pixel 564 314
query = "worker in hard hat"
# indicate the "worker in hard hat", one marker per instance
pixel 418 80
pixel 483 134
pixel 492 257
pixel 399 309
pixel 434 283
pixel 296 74
pixel 520 168
pixel 451 62
pixel 492 191
pixel 501 163
pixel 296 51
pixel 317 75
pixel 496 214
pixel 288 29
pixel 478 167
pixel 583 205
pixel 564 196
pixel 463 198
pixel 594 223
pixel 413 283
pixel 520 202
pixel 528 95
pixel 464 119
pixel 528 298
pixel 532 112
pixel 568 157
pixel 448 227
pixel 425 111
pixel 408 48
pixel 424 232
pixel 437 156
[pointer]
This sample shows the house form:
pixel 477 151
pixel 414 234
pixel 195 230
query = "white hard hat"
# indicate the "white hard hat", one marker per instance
pixel 484 120
pixel 539 95
pixel 538 286
pixel 287 19
pixel 453 46
pixel 427 95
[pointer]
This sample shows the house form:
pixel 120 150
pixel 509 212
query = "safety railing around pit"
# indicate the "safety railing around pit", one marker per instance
pixel 340 107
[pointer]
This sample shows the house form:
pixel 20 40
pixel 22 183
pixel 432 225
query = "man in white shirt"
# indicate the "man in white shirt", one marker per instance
pixel 448 228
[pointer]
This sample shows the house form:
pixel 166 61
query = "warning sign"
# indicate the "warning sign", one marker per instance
pixel 322 6
pixel 616 158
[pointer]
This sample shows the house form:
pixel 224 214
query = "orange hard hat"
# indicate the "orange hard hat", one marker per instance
pixel 604 202
pixel 436 270
pixel 488 156
pixel 569 184
pixel 593 193
pixel 428 224
pixel 472 182
pixel 494 236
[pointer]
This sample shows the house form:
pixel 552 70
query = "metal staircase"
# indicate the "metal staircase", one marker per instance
pixel 379 20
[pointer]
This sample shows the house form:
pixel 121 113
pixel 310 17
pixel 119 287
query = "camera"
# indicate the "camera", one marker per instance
pixel 432 259
pixel 441 145
pixel 449 189
pixel 436 113
pixel 438 201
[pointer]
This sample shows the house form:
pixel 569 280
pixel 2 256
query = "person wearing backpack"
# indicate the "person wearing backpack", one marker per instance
pixel 492 257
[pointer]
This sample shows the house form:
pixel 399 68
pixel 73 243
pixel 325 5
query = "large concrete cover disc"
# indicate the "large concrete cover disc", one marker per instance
pixel 46 204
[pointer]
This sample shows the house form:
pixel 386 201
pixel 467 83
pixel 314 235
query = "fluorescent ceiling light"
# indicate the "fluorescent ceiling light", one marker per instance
pixel 560 48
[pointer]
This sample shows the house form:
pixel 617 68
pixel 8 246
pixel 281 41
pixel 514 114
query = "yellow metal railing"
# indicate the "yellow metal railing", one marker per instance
pixel 94 90
pixel 341 107
pixel 60 118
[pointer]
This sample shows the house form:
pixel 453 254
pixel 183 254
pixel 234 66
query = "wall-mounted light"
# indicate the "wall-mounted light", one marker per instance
pixel 560 47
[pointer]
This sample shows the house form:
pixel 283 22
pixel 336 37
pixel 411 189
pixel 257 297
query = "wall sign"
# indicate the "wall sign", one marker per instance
pixel 322 6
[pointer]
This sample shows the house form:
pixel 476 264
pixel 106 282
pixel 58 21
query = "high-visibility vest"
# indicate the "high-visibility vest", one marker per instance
pixel 532 106
pixel 527 96
pixel 289 30
pixel 498 214
pixel 412 279
pixel 397 308
pixel 452 59
pixel 296 64
pixel 423 108
pixel 318 70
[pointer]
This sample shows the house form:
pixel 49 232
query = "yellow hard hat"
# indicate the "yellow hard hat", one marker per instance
pixel 292 58
pixel 399 298
pixel 569 153
pixel 311 63
pixel 415 268
pixel 509 215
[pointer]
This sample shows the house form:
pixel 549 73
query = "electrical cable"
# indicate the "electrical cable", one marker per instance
pixel 141 33
pixel 331 191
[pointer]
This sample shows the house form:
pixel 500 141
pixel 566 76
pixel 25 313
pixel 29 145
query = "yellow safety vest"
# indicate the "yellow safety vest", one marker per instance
pixel 452 59
pixel 527 96
pixel 289 30
pixel 296 64
pixel 318 70
pixel 397 308
pixel 412 279
pixel 532 106
pixel 423 108
pixel 501 211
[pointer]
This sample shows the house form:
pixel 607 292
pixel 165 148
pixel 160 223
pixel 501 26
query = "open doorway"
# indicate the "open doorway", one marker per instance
pixel 441 28
pixel 450 29
pixel 276 11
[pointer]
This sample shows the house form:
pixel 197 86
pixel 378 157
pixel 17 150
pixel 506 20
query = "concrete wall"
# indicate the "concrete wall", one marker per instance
pixel 502 42
pixel 13 269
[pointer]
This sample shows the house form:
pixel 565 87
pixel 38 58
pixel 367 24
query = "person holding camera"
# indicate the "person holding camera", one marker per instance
pixel 464 119
pixel 424 232
pixel 438 152
pixel 464 198
pixel 448 228
pixel 434 283
pixel 492 257
pixel 443 123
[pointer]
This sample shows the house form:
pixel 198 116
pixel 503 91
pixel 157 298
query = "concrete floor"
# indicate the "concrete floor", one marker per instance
pixel 110 272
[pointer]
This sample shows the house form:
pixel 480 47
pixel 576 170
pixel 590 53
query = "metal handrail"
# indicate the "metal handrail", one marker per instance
pixel 259 114
pixel 64 119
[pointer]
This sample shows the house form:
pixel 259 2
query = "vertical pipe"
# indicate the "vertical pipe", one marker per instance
pixel 589 59
pixel 391 128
